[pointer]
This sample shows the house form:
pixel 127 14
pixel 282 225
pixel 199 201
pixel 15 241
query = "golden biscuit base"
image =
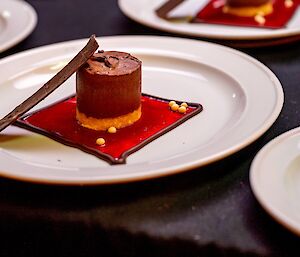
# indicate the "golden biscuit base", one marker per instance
pixel 249 11
pixel 105 123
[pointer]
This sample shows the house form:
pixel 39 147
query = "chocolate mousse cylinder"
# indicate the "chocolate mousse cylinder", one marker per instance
pixel 108 88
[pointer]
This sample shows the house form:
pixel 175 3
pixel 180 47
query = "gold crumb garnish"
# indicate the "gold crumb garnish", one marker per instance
pixel 249 11
pixel 185 105
pixel 171 103
pixel 103 124
pixel 182 109
pixel 260 19
pixel 112 130
pixel 288 3
pixel 100 141
pixel 174 107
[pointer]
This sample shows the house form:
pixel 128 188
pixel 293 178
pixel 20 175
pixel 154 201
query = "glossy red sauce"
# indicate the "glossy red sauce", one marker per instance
pixel 58 122
pixel 277 19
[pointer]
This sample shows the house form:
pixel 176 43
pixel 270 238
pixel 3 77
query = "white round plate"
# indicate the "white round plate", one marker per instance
pixel 275 179
pixel 237 109
pixel 143 11
pixel 17 21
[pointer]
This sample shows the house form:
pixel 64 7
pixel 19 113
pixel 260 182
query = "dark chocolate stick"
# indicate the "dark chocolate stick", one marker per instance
pixel 169 5
pixel 52 84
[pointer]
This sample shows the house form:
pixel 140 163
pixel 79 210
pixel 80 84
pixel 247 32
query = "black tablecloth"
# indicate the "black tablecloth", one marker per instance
pixel 209 211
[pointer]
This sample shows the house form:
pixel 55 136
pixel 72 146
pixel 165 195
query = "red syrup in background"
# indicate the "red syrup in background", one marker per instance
pixel 213 13
pixel 58 122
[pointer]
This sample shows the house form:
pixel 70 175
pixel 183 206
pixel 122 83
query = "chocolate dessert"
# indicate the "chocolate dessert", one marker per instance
pixel 108 97
pixel 108 90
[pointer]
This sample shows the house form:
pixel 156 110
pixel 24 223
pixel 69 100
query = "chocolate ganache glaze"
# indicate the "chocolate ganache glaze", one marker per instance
pixel 109 85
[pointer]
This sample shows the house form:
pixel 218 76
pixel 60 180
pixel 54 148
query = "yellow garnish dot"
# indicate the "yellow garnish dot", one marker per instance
pixel 100 141
pixel 171 103
pixel 288 3
pixel 112 130
pixel 174 107
pixel 260 19
pixel 185 105
pixel 182 109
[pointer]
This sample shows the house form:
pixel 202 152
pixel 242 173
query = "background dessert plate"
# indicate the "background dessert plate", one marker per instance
pixel 236 110
pixel 275 179
pixel 143 11
pixel 17 21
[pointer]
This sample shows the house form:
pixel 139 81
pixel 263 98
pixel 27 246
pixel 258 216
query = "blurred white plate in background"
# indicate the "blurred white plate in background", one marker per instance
pixel 275 179
pixel 17 21
pixel 143 11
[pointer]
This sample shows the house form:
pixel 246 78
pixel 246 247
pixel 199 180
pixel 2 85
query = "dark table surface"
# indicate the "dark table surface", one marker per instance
pixel 209 211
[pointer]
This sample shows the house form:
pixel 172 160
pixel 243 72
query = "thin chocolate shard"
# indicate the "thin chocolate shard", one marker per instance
pixel 169 5
pixel 52 84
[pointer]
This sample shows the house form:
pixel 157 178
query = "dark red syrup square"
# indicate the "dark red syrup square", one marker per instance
pixel 58 122
pixel 213 13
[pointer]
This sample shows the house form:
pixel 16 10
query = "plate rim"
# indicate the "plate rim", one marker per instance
pixel 155 25
pixel 277 215
pixel 27 29
pixel 178 168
